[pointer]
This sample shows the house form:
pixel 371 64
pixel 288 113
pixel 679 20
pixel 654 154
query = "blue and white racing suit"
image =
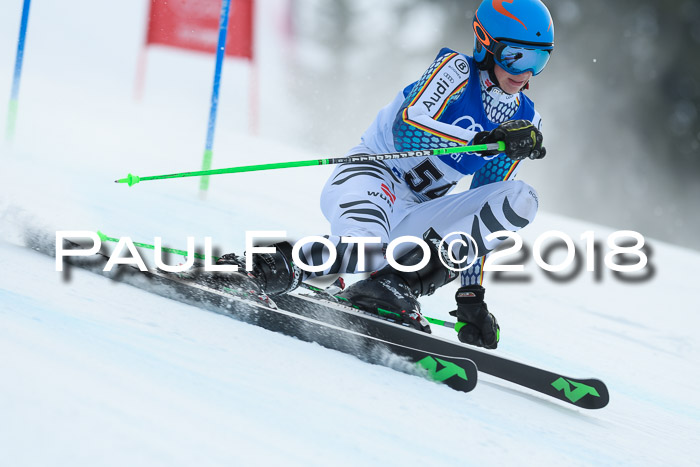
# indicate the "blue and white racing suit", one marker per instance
pixel 451 102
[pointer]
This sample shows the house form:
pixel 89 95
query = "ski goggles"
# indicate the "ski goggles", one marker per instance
pixel 517 58
pixel 513 56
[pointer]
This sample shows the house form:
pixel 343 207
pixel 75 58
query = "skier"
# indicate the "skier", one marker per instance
pixel 459 100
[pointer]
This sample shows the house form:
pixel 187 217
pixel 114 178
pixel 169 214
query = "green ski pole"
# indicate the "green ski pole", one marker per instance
pixel 105 238
pixel 500 146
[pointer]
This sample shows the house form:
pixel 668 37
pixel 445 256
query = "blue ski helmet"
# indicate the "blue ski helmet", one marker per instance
pixel 518 35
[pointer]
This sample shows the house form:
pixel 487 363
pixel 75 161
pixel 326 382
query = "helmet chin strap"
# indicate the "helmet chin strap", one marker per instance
pixel 492 74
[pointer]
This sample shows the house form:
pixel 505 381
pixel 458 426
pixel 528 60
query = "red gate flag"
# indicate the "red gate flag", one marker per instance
pixel 194 25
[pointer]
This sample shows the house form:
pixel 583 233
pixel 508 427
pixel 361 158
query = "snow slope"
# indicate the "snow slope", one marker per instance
pixel 93 372
pixel 98 372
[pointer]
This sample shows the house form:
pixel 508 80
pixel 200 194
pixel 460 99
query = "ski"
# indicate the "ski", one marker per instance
pixel 587 393
pixel 367 337
pixel 312 314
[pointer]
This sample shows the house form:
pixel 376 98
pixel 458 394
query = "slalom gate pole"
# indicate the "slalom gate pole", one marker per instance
pixel 14 96
pixel 220 50
pixel 304 285
pixel 500 146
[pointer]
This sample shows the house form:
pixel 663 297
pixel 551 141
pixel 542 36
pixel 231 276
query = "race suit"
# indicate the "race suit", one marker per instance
pixel 451 102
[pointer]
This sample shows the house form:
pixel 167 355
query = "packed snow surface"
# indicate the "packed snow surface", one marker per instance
pixel 94 372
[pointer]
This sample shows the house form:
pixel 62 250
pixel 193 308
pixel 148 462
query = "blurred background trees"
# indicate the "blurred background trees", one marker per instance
pixel 620 98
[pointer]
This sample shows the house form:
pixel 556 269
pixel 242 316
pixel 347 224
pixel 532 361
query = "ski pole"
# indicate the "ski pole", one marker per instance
pixel 105 238
pixel 500 146
pixel 303 285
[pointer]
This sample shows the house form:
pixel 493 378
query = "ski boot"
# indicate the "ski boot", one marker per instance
pixel 272 274
pixel 475 326
pixel 394 294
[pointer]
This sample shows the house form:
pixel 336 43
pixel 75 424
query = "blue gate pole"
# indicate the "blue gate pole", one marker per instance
pixel 220 49
pixel 14 96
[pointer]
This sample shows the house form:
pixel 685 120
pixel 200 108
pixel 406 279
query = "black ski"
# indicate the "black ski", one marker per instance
pixel 367 337
pixel 317 317
pixel 584 393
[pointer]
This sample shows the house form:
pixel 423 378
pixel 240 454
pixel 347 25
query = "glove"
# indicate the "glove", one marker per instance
pixel 475 325
pixel 521 137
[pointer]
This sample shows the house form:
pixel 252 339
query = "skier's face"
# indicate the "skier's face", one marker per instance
pixel 511 84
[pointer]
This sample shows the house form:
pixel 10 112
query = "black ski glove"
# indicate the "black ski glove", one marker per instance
pixel 521 137
pixel 475 325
